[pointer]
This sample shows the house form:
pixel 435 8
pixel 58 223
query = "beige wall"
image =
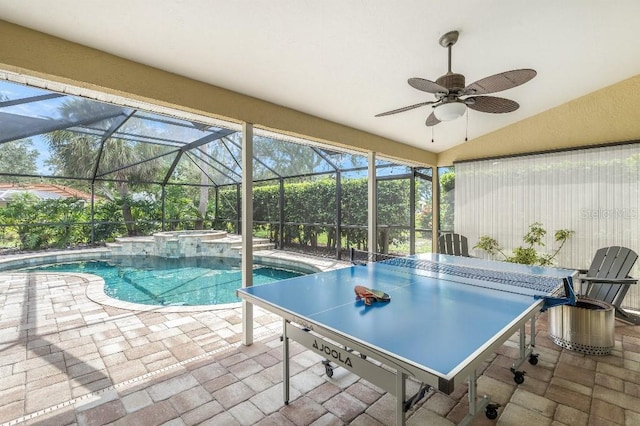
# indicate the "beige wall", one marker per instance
pixel 608 115
pixel 39 55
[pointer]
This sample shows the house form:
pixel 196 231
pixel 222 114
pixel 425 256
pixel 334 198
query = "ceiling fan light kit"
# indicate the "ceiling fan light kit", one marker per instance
pixel 453 97
pixel 450 111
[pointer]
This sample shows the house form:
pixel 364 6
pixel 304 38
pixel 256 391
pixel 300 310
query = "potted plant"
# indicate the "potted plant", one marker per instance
pixel 527 254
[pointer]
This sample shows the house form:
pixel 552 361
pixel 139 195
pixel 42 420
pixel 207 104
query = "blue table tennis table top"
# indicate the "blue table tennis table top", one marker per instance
pixel 433 321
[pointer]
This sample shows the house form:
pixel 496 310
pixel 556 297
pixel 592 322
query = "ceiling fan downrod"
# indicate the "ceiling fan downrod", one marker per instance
pixel 452 81
pixel 448 40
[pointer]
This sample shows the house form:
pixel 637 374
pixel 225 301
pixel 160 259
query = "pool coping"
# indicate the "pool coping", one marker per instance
pixel 11 262
pixel 95 284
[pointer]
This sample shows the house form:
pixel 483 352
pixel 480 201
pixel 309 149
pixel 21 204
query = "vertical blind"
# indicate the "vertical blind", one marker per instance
pixel 592 191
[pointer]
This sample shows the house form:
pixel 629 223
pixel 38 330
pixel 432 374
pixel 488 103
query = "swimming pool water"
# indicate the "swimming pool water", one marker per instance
pixel 163 282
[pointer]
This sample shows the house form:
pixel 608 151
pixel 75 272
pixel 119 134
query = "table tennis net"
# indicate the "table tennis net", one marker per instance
pixel 503 280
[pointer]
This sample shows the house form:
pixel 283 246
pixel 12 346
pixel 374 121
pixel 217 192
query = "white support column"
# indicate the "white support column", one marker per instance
pixel 435 208
pixel 372 205
pixel 247 229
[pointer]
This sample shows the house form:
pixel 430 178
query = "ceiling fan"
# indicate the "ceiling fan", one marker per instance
pixel 453 98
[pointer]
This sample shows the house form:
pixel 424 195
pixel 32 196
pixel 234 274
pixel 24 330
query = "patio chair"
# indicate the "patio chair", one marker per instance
pixel 608 280
pixel 454 244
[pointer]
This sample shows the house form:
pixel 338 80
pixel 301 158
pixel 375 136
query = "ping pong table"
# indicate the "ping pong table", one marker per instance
pixel 446 316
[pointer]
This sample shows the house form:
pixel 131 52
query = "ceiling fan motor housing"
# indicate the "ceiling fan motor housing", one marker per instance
pixel 452 81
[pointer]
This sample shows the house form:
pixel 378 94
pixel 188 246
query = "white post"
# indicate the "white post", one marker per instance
pixel 371 203
pixel 247 229
pixel 435 208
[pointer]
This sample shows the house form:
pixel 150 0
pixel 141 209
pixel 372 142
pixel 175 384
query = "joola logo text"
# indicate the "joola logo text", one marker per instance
pixel 333 353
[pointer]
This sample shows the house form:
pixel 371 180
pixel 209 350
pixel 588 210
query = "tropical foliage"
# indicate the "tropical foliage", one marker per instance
pixel 17 157
pixel 309 211
pixel 447 198
pixel 145 180
pixel 88 156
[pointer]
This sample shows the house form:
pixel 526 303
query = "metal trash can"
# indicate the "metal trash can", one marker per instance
pixel 588 327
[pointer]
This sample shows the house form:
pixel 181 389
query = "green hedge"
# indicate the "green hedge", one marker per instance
pixel 315 203
pixel 309 212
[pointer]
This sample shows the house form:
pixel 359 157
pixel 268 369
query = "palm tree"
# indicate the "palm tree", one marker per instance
pixel 121 162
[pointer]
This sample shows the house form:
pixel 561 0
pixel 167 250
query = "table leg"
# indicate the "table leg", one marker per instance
pixel 475 405
pixel 285 363
pixel 472 394
pixel 532 339
pixel 523 343
pixel 401 379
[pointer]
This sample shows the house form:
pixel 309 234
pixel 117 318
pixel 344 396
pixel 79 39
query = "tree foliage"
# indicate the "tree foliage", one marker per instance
pixel 447 199
pixel 17 157
pixel 46 223
pixel 126 173
pixel 310 211
pixel 126 162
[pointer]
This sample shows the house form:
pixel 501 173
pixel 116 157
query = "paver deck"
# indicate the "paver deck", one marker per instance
pixel 67 359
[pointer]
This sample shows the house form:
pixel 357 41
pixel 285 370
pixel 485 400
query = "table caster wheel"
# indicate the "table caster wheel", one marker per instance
pixel 491 413
pixel 533 359
pixel 328 369
pixel 518 377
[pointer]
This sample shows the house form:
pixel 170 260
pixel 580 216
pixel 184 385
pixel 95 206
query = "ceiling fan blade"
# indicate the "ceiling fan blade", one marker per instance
pixel 432 120
pixel 427 85
pixel 498 82
pixel 403 109
pixel 491 104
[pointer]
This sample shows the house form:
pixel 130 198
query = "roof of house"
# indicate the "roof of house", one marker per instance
pixel 42 190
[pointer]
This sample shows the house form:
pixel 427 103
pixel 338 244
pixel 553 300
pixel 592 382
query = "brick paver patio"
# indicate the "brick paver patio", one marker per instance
pixel 66 359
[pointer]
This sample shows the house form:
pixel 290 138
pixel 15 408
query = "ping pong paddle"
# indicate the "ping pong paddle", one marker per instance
pixel 370 295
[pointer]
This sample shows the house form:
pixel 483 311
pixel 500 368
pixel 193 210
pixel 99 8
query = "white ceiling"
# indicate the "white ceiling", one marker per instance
pixel 347 60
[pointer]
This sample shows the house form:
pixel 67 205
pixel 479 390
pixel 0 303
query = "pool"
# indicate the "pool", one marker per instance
pixel 171 282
